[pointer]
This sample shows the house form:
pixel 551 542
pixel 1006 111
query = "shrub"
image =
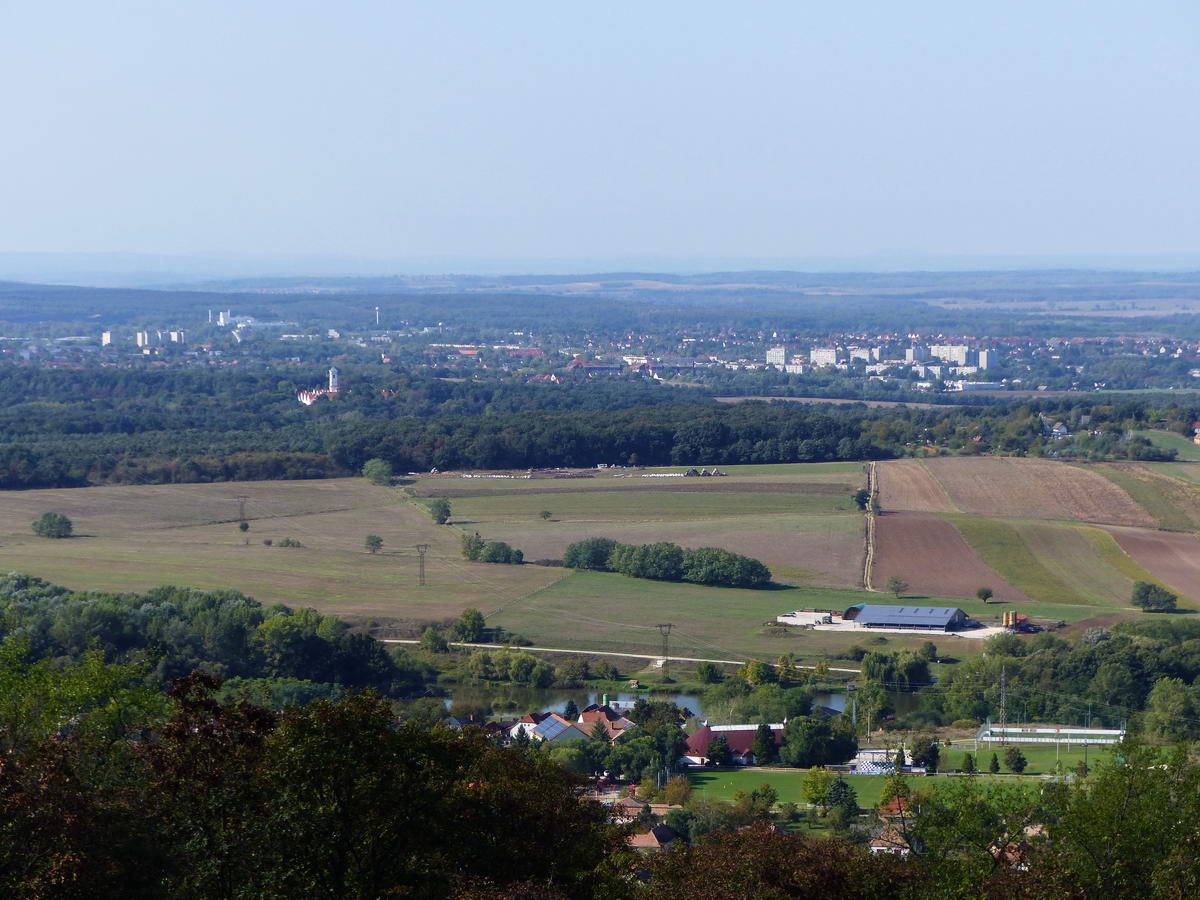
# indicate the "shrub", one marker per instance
pixel 289 542
pixel 377 471
pixel 500 552
pixel 52 525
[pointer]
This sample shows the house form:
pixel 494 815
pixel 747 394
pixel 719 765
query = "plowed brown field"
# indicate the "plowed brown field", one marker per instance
pixel 1034 489
pixel 1172 557
pixel 933 557
pixel 907 484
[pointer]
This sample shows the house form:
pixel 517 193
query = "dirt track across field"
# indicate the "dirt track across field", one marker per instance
pixel 934 558
pixel 1172 557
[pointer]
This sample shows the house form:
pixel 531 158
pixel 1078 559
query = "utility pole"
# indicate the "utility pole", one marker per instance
pixel 422 549
pixel 377 315
pixel 665 631
pixel 1003 704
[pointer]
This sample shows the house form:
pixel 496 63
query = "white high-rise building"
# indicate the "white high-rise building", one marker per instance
pixel 916 354
pixel 177 337
pixel 106 338
pixel 777 356
pixel 142 338
pixel 986 358
pixel 824 356
pixel 955 354
pixel 333 380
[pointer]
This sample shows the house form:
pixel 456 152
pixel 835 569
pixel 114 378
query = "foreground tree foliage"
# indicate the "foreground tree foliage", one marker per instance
pixel 330 800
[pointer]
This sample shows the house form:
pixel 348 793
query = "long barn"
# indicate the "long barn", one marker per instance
pixel 922 618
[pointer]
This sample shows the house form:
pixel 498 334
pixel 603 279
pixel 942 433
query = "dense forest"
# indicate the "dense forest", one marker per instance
pixel 98 426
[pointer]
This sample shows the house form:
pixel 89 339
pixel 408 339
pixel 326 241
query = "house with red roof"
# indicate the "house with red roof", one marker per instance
pixel 615 725
pixel 740 739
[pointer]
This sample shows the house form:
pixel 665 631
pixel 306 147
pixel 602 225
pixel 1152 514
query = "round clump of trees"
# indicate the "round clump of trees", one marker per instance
pixel 52 525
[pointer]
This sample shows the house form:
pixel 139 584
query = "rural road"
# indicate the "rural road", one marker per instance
pixel 869 555
pixel 727 662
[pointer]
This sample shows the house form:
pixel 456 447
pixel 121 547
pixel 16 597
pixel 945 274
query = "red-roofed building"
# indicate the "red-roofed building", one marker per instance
pixel 615 724
pixel 740 739
pixel 660 837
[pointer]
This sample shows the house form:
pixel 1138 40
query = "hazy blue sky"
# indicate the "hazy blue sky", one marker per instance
pixel 602 131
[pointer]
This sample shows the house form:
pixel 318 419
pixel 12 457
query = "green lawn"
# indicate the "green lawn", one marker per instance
pixel 1169 440
pixel 1041 758
pixel 724 783
pixel 1184 471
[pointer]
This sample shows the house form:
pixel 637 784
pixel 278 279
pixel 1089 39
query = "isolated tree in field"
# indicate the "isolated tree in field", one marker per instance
pixel 545 514
pixel 52 525
pixel 377 471
pixel 1152 598
pixel 439 508
pixel 861 498
pixel 373 543
pixel 968 764
pixel 816 785
pixel 1015 759
pixel 984 594
pixel 897 585
pixel 994 765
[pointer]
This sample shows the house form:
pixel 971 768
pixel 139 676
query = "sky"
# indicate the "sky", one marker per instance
pixel 611 134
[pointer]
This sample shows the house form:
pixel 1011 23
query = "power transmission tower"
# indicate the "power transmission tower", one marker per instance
pixel 422 549
pixel 241 499
pixel 665 631
pixel 1003 704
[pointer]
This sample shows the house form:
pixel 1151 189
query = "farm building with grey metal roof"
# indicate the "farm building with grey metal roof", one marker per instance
pixel 924 618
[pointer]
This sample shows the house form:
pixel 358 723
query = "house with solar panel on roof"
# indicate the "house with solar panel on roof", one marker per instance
pixel 917 618
pixel 547 727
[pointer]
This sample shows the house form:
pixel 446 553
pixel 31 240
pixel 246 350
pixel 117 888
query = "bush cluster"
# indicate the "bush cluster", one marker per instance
pixel 664 561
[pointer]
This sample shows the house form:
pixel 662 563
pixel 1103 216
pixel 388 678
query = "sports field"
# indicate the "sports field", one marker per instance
pixel 788 783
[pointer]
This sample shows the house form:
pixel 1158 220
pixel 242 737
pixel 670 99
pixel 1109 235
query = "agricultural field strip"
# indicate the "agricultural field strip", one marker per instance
pixel 1001 544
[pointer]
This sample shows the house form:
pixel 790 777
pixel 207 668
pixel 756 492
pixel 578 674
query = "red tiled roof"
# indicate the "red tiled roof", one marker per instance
pixel 740 741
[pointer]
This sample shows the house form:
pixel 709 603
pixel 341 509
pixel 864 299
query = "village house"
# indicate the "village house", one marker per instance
pixel 658 838
pixel 740 739
pixel 615 725
pixel 546 727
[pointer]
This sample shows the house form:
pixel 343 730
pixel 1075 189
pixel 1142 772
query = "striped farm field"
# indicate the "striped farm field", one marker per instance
pixel 1173 502
pixel 929 553
pixel 1056 563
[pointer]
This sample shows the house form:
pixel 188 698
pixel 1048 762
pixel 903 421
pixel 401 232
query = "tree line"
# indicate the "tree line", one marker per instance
pixel 664 561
